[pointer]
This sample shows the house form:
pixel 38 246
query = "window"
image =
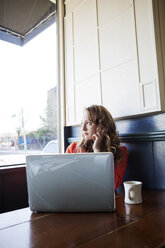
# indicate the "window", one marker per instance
pixel 28 96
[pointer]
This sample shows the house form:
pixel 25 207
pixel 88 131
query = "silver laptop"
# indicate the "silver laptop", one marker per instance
pixel 80 182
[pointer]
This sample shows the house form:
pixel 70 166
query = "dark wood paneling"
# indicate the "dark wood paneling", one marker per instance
pixel 159 164
pixel 143 124
pixel 140 164
pixel 15 191
pixel 1 193
pixel 13 188
pixel 148 136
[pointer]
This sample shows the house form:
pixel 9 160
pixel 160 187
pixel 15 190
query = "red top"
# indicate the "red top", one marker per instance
pixel 119 169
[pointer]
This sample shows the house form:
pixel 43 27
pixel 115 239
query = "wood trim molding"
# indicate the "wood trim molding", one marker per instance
pixel 150 136
pixel 127 137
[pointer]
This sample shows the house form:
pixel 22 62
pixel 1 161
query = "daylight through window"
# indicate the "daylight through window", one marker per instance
pixel 28 97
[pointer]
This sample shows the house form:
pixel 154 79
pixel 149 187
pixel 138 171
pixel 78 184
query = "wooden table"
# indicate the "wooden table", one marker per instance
pixel 129 226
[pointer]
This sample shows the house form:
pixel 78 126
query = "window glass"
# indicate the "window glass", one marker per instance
pixel 28 97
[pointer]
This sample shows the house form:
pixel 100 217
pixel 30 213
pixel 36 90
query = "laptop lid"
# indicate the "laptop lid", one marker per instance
pixel 81 182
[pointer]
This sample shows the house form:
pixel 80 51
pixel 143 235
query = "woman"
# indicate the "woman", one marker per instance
pixel 99 135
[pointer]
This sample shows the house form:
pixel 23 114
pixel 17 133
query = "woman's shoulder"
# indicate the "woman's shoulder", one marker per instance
pixel 124 152
pixel 123 148
pixel 73 148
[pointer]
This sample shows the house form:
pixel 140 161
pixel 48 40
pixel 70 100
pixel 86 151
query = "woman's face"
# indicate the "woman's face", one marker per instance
pixel 88 127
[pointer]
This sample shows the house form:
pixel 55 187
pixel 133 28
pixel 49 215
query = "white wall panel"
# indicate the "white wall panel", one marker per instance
pixel 86 58
pixel 110 9
pixel 87 93
pixel 111 44
pixel 120 90
pixel 145 40
pixel 70 5
pixel 150 100
pixel 117 41
pixel 85 20
pixel 69 71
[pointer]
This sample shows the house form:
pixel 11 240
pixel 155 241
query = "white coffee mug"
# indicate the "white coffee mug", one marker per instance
pixel 133 194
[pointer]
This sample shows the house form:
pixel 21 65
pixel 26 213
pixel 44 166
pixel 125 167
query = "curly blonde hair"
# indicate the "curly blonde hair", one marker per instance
pixel 105 125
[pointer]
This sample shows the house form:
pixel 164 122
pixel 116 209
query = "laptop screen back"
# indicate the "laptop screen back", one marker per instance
pixel 81 182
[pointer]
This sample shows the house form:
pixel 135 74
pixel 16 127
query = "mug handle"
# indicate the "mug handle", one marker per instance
pixel 129 194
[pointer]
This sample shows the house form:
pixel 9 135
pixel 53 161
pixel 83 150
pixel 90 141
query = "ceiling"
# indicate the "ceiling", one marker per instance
pixel 21 20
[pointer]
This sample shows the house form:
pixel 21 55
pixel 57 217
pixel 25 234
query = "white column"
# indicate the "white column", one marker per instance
pixel 60 69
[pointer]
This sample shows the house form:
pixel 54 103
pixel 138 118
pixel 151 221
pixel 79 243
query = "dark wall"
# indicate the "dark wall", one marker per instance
pixel 13 188
pixel 146 163
pixel 144 138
